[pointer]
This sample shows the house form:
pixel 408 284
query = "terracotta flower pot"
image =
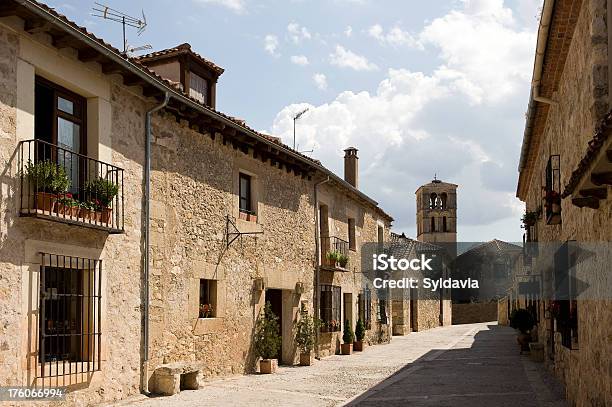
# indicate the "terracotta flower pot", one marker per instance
pixel 45 201
pixel 244 216
pixel 346 348
pixel 268 366
pixel 523 341
pixel 105 215
pixel 359 346
pixel 67 211
pixel 87 214
pixel 306 359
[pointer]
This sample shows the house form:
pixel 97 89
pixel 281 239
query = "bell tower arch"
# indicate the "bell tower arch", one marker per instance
pixel 437 212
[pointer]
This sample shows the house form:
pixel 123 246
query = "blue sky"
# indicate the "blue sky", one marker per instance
pixel 419 87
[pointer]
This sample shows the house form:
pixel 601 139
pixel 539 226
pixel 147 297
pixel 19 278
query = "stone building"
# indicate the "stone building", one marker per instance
pixel 140 226
pixel 564 179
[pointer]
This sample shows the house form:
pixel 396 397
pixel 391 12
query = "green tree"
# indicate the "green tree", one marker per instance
pixel 360 330
pixel 267 340
pixel 348 336
pixel 305 331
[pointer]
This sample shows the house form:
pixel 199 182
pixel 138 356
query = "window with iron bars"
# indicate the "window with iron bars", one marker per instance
pixel 69 339
pixel 364 305
pixel 331 303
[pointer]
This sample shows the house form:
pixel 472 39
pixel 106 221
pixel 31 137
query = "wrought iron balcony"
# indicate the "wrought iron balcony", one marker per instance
pixel 60 185
pixel 334 252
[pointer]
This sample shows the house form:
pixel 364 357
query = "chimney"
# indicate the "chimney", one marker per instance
pixel 351 166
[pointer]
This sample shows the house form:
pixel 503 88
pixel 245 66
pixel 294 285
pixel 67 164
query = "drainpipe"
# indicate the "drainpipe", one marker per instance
pixel 147 215
pixel 318 261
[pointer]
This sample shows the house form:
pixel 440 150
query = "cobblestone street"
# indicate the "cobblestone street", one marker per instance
pixel 475 364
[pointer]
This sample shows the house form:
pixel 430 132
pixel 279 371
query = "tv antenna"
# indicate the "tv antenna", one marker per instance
pixel 108 13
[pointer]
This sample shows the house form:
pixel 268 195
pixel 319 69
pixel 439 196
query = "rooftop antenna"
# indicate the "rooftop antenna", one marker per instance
pixel 296 118
pixel 108 13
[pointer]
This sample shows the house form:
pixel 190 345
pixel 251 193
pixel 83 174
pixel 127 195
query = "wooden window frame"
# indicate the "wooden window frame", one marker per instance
pixel 79 102
pixel 352 235
pixel 248 198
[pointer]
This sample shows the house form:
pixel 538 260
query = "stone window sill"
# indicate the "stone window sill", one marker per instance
pixel 207 325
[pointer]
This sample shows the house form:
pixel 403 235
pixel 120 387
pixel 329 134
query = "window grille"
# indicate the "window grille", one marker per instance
pixel 365 308
pixel 331 302
pixel 70 313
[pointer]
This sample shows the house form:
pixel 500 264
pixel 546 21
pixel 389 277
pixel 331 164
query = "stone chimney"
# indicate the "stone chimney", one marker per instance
pixel 351 166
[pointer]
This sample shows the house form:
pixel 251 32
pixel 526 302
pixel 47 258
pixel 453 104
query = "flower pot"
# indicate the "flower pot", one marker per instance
pixel 359 346
pixel 105 215
pixel 87 214
pixel 306 359
pixel 45 201
pixel 252 218
pixel 244 216
pixel 523 341
pixel 346 348
pixel 67 211
pixel 268 366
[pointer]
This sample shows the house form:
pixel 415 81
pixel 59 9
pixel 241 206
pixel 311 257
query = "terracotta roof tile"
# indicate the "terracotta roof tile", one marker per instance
pixel 181 49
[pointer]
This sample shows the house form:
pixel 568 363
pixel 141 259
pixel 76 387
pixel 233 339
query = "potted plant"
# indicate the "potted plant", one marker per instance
pixel 305 336
pixel 343 260
pixel 87 211
pixel 529 218
pixel 332 257
pixel 67 206
pixel 522 320
pixel 360 332
pixel 48 179
pixel 553 201
pixel 348 338
pixel 102 192
pixel 206 310
pixel 267 341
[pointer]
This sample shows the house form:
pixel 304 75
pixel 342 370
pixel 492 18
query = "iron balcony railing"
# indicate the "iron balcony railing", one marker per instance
pixel 61 185
pixel 335 252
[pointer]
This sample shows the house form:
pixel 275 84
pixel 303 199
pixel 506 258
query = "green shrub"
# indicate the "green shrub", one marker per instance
pixel 101 190
pixel 522 320
pixel 343 260
pixel 305 331
pixel 333 255
pixel 348 336
pixel 267 341
pixel 360 330
pixel 48 176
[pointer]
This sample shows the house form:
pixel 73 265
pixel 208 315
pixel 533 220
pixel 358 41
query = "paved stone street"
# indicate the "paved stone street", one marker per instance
pixel 476 364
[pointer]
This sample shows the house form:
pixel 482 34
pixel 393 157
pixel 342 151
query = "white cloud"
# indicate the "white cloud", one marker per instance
pixel 271 45
pixel 301 60
pixel 237 6
pixel 483 47
pixel 395 36
pixel 348 31
pixel 347 59
pixel 320 81
pixel 298 33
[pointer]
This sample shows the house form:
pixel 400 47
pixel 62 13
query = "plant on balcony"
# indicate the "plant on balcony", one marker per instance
pixel 102 192
pixel 332 256
pixel 87 210
pixel 267 340
pixel 529 218
pixel 305 336
pixel 360 332
pixel 343 260
pixel 49 180
pixel 68 206
pixel 348 337
pixel 552 201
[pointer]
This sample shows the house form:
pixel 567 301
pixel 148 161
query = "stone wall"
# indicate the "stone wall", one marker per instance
pixel 22 239
pixel 475 312
pixel 582 101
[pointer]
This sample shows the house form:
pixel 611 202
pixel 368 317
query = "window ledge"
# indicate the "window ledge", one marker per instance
pixel 246 226
pixel 206 325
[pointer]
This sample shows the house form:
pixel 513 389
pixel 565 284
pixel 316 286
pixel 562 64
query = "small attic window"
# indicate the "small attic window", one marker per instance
pixel 198 88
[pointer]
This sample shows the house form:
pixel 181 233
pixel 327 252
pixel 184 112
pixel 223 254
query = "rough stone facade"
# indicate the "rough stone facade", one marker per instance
pixel 194 204
pixel 581 100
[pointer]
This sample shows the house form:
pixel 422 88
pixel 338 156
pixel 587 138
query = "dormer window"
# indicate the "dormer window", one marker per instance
pixel 197 76
pixel 198 88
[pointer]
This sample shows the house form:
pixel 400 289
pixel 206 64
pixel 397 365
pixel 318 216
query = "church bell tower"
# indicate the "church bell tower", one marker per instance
pixel 436 204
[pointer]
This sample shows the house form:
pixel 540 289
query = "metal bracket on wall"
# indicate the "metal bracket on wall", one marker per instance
pixel 232 232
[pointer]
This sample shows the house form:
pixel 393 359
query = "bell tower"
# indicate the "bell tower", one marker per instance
pixel 436 214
